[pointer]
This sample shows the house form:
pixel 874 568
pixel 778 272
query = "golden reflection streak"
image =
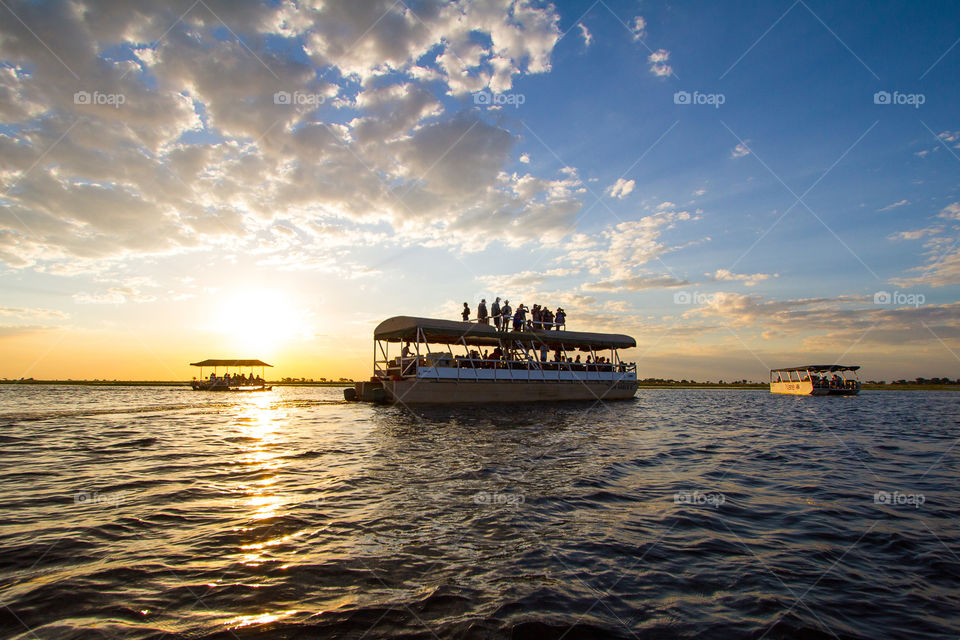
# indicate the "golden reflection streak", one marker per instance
pixel 260 618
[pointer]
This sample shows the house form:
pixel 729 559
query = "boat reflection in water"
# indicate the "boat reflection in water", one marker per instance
pixel 238 381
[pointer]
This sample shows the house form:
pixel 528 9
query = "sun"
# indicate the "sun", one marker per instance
pixel 258 322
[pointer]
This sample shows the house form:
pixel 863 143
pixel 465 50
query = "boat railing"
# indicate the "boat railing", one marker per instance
pixel 514 370
pixel 508 325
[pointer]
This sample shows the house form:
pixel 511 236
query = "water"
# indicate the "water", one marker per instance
pixel 166 513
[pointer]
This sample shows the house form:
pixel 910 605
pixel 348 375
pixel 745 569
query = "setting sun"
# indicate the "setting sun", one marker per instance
pixel 259 322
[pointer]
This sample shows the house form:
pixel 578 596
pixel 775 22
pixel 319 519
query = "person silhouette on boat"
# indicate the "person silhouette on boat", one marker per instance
pixel 482 316
pixel 495 312
pixel 466 312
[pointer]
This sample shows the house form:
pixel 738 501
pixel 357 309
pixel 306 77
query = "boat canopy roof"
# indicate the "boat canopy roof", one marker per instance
pixel 404 328
pixel 821 367
pixel 230 363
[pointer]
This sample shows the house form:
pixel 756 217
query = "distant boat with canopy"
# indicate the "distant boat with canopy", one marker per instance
pixel 816 380
pixel 238 381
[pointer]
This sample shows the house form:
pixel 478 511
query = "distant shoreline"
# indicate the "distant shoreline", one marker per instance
pixel 643 385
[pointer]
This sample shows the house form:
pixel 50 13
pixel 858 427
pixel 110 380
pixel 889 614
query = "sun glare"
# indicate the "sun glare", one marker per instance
pixel 258 322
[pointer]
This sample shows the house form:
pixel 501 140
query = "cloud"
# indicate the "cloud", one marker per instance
pixel 638 28
pixel 621 188
pixel 617 256
pixel 941 249
pixel 585 33
pixel 23 313
pixel 837 323
pixel 951 211
pixel 894 205
pixel 114 295
pixel 523 280
pixel 525 158
pixel 217 137
pixel 658 63
pixel 915 235
pixel 636 283
pixel 740 150
pixel 749 279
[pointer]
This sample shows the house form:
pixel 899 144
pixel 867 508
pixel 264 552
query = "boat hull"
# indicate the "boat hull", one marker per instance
pixel 807 389
pixel 413 391
pixel 245 389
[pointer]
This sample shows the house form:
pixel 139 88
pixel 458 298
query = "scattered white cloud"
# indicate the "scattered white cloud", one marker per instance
pixel 894 205
pixel 638 28
pixel 915 235
pixel 585 33
pixel 525 158
pixel 114 295
pixel 951 211
pixel 23 313
pixel 740 150
pixel 749 279
pixel 663 206
pixel 699 192
pixel 942 252
pixel 658 63
pixel 621 188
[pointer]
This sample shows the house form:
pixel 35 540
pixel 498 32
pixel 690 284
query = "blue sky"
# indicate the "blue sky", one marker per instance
pixel 390 184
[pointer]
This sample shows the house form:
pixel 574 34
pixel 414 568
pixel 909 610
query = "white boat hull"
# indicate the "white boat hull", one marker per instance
pixel 425 391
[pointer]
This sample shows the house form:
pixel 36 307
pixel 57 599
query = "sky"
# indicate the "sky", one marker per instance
pixel 738 185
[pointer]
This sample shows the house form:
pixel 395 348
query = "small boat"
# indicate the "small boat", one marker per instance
pixel 816 380
pixel 524 366
pixel 236 382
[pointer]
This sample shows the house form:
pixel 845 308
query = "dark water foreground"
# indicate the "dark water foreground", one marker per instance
pixel 163 513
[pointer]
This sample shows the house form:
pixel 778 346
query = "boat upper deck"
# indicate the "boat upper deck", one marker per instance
pixel 431 330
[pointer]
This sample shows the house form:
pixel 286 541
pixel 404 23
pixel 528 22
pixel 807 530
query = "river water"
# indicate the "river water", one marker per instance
pixel 158 512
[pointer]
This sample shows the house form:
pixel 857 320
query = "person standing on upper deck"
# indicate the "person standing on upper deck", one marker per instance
pixel 506 313
pixel 466 312
pixel 560 318
pixel 482 316
pixel 495 312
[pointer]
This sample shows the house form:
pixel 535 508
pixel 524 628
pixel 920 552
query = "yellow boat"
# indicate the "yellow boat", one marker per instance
pixel 816 380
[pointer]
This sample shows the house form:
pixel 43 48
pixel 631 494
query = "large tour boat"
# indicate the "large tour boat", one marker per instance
pixel 515 366
pixel 816 380
pixel 238 381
